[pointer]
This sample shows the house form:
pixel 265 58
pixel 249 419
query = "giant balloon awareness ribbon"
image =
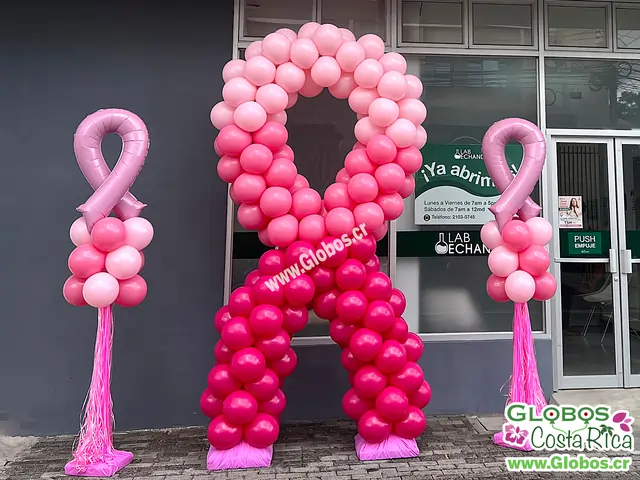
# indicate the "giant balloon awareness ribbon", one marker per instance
pixel 519 261
pixel 105 266
pixel 244 398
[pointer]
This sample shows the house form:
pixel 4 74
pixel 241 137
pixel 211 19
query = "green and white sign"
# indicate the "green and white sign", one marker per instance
pixel 585 243
pixel 453 186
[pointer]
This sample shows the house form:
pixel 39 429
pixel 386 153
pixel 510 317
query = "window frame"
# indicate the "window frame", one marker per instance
pixel 614 18
pixel 464 20
pixel 247 39
pixel 533 5
pixel 609 35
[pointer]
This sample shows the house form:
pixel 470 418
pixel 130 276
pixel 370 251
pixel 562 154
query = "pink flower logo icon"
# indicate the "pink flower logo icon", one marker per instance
pixel 623 420
pixel 514 435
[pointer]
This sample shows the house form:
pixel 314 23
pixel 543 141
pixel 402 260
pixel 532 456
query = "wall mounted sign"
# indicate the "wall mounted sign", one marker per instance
pixel 570 210
pixel 460 244
pixel 585 243
pixel 453 186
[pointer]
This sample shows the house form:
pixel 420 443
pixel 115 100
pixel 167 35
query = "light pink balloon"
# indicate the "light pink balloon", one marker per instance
pixel 502 261
pixel 393 62
pixel 357 161
pixel 272 98
pixel 78 232
pixel 540 231
pixel 326 71
pixel 365 129
pixel 248 188
pixel 280 117
pixel 373 46
pixel 263 235
pixel 390 177
pixel 378 235
pixel 251 217
pixel 402 132
pixel 308 29
pixel 256 158
pixel 371 214
pixel 260 71
pixel 343 176
pixel 287 32
pixel 253 50
pixel 124 262
pixel 490 235
pixel 339 221
pixel 275 202
pixel 368 73
pixel 383 112
pixel 276 47
pixel 233 69
pixel 350 55
pixel 237 91
pixel 100 290
pixel 408 186
pixel 139 232
pixel 304 53
pixel 360 99
pixel 328 39
pixel 312 229
pixel 229 168
pixel 392 205
pixel 413 109
pixel 336 195
pixel 283 231
pixel 344 86
pixel 306 201
pixel 520 286
pixel 414 86
pixel 222 115
pixel 310 88
pixel 347 35
pixel 363 188
pixel 421 137
pixel 392 85
pixel 293 98
pixel 298 183
pixel 250 116
pixel 290 77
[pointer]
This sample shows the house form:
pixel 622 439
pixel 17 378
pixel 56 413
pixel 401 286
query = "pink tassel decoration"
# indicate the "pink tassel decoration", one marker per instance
pixel 94 455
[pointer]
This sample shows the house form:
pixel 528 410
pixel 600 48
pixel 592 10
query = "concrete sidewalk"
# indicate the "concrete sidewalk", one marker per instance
pixel 453 447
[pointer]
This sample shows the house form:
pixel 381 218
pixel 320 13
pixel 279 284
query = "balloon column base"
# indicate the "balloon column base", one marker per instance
pixel 108 467
pixel 242 455
pixel 392 447
pixel 498 439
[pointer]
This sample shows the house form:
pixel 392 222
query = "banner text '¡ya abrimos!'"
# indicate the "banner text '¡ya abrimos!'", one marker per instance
pixel 460 171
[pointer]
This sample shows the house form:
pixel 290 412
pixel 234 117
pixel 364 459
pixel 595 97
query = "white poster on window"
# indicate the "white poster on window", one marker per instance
pixel 570 209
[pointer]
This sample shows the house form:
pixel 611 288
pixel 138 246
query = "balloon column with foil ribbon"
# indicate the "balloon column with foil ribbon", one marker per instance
pixel 253 357
pixel 105 266
pixel 519 261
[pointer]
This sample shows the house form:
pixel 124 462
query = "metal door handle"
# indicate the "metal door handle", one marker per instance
pixel 613 261
pixel 626 265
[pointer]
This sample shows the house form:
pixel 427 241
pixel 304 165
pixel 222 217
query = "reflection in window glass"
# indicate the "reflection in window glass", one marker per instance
pixel 465 96
pixel 577 26
pixel 592 93
pixel 628 27
pixel 502 24
pixel 359 16
pixel 432 22
pixel 265 16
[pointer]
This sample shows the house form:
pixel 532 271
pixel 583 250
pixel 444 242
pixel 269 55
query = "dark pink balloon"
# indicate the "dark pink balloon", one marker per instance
pixel 72 291
pixel 373 265
pixel 335 257
pixel 216 148
pixel 86 260
pixel 377 287
pixel 236 334
pixel 286 153
pixel 275 405
pixel 351 306
pixel 306 201
pixel 398 301
pixel 392 357
pixel 256 158
pixel 262 431
pixel 252 278
pixel 372 428
pixel 248 364
pixel 232 140
pixel 496 290
pixel 324 304
pixel 353 406
pixel 294 319
pixel 323 278
pixel 240 407
pixel 351 275
pixel 398 331
pixel 410 159
pixel 268 291
pixel 273 135
pixel 285 365
pixel 516 235
pixel 293 252
pixel 422 397
pixel 381 149
pixel 357 161
pixel 365 344
pixel 363 249
pixel 210 405
pixel 412 425
pixel 341 332
pixel 109 234
pixel 265 387
pixel 221 382
pixel 350 363
pixel 275 347
pixel 534 260
pixel 222 317
pixel 222 435
pixel 408 379
pixel 299 291
pixel 369 382
pixel 241 302
pixel 222 353
pixel 379 316
pixel 272 262
pixel 414 347
pixel 546 287
pixel 265 320
pixel 392 404
pixel 132 291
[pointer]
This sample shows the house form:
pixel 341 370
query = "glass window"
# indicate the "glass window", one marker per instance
pixel 441 266
pixel 359 16
pixel 432 22
pixel 592 93
pixel 628 27
pixel 496 24
pixel 579 26
pixel 261 17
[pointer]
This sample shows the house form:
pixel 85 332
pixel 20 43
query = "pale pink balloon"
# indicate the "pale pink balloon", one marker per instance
pixel 124 262
pixel 408 186
pixel 299 183
pixel 368 73
pixel 390 177
pixel 393 62
pixel 256 158
pixel 306 201
pixel 344 86
pixel 308 29
pixel 248 188
pixel 328 39
pixel 293 98
pixel 383 112
pixel 392 205
pixel 360 99
pixel 229 168
pixel 281 173
pixel 347 35
pixel 421 137
pixel 326 71
pixel 78 232
pixel 290 77
pixel 263 235
pixel 251 217
pixel 502 261
pixel 414 86
pixel 369 213
pixel 233 69
pixel 280 117
pixel 363 188
pixel 336 195
pixel 272 98
pixel 312 229
pixel 365 129
pixel 350 55
pixel 310 88
pixel 490 235
pixel 276 47
pixel 540 231
pixel 413 109
pixel 238 91
pixel 253 50
pixel 520 286
pixel 275 202
pixel 304 53
pixel 100 290
pixel 250 116
pixel 378 235
pixel 343 176
pixel 260 71
pixel 402 132
pixel 139 232
pixel 357 161
pixel 392 85
pixel 287 32
pixel 222 115
pixel 339 221
pixel 283 231
pixel 373 46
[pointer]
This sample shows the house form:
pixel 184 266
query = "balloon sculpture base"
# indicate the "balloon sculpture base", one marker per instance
pixel 499 439
pixel 242 455
pixel 392 447
pixel 108 466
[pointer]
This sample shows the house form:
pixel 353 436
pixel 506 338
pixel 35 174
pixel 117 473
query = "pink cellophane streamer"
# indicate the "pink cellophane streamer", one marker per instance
pixel 94 455
pixel 392 447
pixel 525 382
pixel 242 455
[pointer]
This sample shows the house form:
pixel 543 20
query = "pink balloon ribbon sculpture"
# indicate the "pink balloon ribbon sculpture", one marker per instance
pixel 518 261
pixel 324 256
pixel 105 266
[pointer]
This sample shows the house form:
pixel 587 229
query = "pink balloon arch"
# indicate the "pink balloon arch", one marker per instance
pixel 342 283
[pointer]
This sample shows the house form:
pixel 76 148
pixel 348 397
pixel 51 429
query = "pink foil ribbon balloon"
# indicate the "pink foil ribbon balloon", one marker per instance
pixel 111 188
pixel 514 191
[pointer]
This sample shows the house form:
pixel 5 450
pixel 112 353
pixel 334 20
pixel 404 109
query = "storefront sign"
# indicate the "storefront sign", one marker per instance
pixel 585 243
pixel 453 186
pixel 460 244
pixel 570 210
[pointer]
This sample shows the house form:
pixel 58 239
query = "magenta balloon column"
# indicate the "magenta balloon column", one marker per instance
pixel 105 266
pixel 323 256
